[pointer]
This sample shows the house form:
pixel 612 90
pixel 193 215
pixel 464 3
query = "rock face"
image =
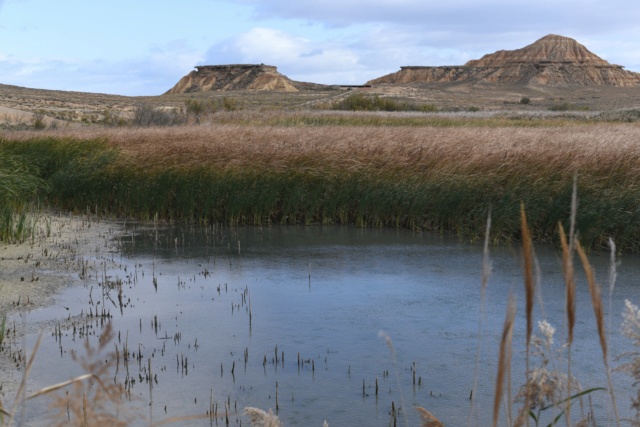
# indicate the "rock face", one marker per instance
pixel 258 77
pixel 553 60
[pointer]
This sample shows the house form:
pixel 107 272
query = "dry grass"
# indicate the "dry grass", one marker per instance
pixel 565 150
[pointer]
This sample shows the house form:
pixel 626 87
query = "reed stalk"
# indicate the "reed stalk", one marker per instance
pixel 486 273
pixel 570 307
pixel 529 288
pixel 596 302
pixel 504 363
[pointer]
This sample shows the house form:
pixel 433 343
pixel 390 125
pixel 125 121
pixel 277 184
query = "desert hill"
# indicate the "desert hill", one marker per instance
pixel 252 77
pixel 551 61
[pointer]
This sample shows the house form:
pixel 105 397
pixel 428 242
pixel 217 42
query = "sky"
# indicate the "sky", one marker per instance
pixel 143 47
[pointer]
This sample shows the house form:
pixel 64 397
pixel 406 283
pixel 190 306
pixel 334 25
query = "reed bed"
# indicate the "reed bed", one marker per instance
pixel 425 178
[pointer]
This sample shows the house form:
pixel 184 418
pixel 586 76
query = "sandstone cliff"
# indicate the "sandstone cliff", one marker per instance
pixel 553 60
pixel 234 77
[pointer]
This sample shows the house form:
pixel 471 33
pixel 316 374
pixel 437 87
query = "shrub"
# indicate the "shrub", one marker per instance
pixel 144 115
pixel 230 104
pixel 525 100
pixel 38 121
pixel 565 106
pixel 360 102
pixel 198 109
pixel 428 108
pixel 628 116
pixel 113 119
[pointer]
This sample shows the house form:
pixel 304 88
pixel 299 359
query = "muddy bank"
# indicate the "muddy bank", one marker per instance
pixel 32 273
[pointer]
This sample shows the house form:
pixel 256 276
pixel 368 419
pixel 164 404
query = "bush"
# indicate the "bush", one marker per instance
pixel 565 106
pixel 525 100
pixel 428 108
pixel 144 115
pixel 230 104
pixel 198 109
pixel 38 121
pixel 360 102
pixel 628 116
pixel 113 119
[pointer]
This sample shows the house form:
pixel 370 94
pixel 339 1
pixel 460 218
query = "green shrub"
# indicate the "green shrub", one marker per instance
pixel 230 104
pixel 428 108
pixel 360 102
pixel 525 100
pixel 38 121
pixel 145 115
pixel 565 106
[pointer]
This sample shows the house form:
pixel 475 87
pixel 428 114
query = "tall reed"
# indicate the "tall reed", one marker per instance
pixel 596 302
pixel 529 289
pixel 504 364
pixel 437 178
pixel 18 185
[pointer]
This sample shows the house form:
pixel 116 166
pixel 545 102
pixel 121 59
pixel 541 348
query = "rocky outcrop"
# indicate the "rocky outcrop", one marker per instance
pixel 551 61
pixel 258 77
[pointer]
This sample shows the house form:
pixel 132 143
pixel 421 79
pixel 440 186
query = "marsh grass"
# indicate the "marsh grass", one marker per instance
pixel 19 185
pixel 423 178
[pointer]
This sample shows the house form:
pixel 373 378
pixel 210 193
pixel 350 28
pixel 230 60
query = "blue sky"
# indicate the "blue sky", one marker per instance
pixel 142 47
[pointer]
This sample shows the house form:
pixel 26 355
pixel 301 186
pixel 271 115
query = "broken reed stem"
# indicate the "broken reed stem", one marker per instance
pixel 570 287
pixel 613 274
pixel 486 273
pixel 504 360
pixel 529 285
pixel 596 302
pixel 387 339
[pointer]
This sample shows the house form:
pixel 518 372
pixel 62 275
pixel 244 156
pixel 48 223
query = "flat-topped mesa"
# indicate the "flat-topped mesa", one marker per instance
pixel 238 67
pixel 553 60
pixel 255 77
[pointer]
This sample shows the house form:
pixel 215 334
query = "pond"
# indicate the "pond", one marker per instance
pixel 319 323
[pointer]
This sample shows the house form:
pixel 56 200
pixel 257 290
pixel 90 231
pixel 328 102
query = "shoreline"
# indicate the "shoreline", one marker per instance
pixel 32 275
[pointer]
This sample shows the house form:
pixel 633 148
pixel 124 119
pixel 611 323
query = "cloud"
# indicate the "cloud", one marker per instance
pixel 466 29
pixel 298 57
pixel 153 74
pixel 468 16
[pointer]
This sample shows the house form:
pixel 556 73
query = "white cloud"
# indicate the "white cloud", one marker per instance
pixel 297 57
pixel 468 16
pixel 381 49
pixel 154 74
pixel 467 29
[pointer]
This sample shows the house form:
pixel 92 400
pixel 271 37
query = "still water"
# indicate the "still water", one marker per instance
pixel 306 320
